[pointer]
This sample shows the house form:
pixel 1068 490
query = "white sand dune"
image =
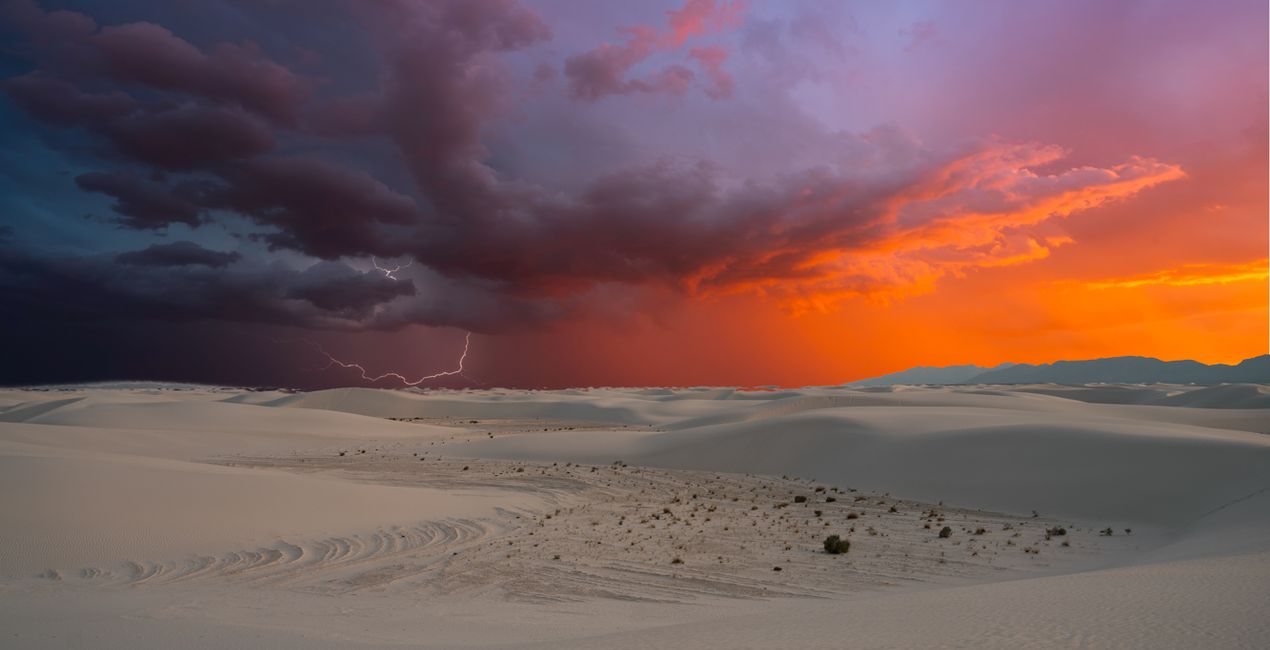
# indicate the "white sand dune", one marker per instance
pixel 136 516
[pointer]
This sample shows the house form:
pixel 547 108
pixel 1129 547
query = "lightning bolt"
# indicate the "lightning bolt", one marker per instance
pixel 388 272
pixel 332 361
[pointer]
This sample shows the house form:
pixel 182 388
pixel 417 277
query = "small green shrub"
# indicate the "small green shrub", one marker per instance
pixel 945 532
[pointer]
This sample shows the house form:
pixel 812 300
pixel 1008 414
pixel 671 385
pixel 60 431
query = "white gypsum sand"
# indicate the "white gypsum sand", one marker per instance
pixel 200 517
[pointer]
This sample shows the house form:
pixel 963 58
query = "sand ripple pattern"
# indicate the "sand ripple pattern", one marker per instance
pixel 333 564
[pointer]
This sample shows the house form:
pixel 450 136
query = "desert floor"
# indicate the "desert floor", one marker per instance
pixel 148 516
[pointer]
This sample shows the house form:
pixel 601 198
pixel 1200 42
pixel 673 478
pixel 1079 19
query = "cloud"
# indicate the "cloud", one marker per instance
pixel 58 102
pixel 840 213
pixel 711 60
pixel 440 84
pixel 149 55
pixel 600 72
pixel 329 287
pixel 143 204
pixel 701 17
pixel 890 214
pixel 332 296
pixel 180 253
pixel 179 137
pixel 314 207
pixel 234 74
pixel 1189 275
pixel 605 70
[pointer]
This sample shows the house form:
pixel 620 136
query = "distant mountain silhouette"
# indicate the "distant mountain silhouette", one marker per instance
pixel 1115 370
pixel 930 375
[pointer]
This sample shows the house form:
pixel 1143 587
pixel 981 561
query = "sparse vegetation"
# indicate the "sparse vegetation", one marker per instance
pixel 800 499
pixel 945 532
pixel 835 545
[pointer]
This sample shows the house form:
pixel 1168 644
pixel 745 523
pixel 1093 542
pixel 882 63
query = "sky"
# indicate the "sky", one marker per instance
pixel 552 193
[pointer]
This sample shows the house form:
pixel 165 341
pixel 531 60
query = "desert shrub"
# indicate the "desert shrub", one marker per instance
pixel 676 561
pixel 853 515
pixel 1057 531
pixel 800 499
pixel 830 499
pixel 835 545
pixel 819 512
pixel 1108 532
pixel 980 531
pixel 945 532
pixel 894 509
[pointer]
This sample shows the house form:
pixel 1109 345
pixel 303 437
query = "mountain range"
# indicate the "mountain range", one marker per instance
pixel 1115 370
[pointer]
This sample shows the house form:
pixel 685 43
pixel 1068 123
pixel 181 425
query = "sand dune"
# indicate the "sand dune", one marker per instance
pixel 365 518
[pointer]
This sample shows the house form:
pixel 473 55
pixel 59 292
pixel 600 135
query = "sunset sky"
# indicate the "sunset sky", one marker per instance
pixel 626 193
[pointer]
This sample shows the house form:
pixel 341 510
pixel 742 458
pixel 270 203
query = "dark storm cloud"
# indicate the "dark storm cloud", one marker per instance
pixel 58 102
pixel 239 75
pixel 180 253
pixel 184 282
pixel 441 86
pixel 146 54
pixel 176 137
pixel 329 286
pixel 317 208
pixel 142 203
pixel 188 137
pixel 394 162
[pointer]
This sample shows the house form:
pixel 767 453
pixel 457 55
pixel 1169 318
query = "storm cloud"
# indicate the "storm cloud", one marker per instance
pixel 258 165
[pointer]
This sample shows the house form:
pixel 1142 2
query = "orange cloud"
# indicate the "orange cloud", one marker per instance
pixel 1191 275
pixel 983 210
